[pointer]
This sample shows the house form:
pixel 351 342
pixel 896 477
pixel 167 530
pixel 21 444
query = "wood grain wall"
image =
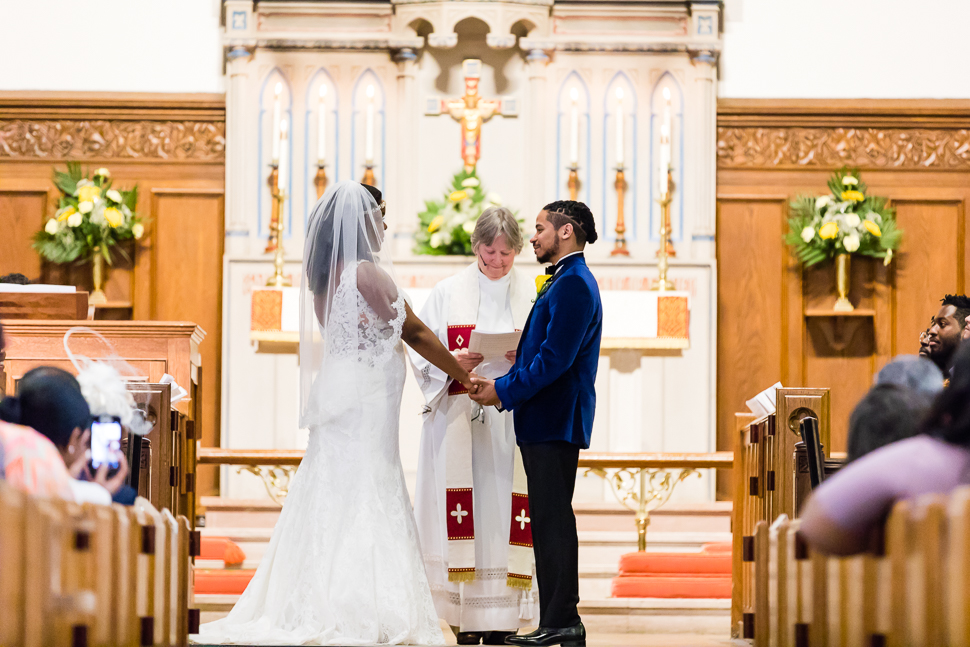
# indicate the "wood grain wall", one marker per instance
pixel 173 148
pixel 917 153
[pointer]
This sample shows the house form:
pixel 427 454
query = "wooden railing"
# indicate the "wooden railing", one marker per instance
pixel 93 575
pixel 640 482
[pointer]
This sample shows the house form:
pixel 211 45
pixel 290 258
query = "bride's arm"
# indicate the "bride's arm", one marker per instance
pixel 419 337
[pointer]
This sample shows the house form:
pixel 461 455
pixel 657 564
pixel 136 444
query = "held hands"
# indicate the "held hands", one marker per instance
pixel 484 391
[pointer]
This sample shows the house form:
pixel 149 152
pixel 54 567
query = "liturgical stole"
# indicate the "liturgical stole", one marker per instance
pixel 465 418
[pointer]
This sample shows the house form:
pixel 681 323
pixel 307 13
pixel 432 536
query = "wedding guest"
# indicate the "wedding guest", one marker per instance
pixel 844 512
pixel 912 372
pixel 15 278
pixel 945 330
pixel 886 414
pixel 480 584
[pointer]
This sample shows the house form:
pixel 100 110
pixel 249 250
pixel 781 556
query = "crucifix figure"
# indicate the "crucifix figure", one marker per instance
pixel 471 111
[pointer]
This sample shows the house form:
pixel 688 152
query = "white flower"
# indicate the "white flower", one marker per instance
pixel 808 234
pixel 852 220
pixel 436 240
pixel 51 226
pixel 84 182
pixel 470 182
pixel 889 257
pixel 103 172
pixel 822 202
pixel 469 226
pixel 850 243
pixel 875 217
pixel 848 180
pixel 75 220
pixel 137 230
pixel 114 196
pixel 97 217
pixel 494 198
pixel 85 207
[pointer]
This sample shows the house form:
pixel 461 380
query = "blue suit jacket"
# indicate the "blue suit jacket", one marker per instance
pixel 550 387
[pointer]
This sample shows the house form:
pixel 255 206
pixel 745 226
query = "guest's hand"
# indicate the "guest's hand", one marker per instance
pixel 114 483
pixel 485 394
pixel 468 360
pixel 510 356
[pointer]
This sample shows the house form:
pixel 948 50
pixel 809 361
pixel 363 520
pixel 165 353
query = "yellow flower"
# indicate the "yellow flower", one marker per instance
pixel 114 217
pixel 137 230
pixel 855 196
pixel 872 228
pixel 436 224
pixel 457 196
pixel 66 213
pixel 88 193
pixel 541 280
pixel 828 231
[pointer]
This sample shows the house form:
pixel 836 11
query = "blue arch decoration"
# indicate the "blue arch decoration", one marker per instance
pixel 286 112
pixel 677 123
pixel 353 126
pixel 621 78
pixel 307 176
pixel 584 172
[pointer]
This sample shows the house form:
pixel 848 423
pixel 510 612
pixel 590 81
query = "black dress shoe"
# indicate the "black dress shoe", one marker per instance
pixel 469 637
pixel 543 636
pixel 496 637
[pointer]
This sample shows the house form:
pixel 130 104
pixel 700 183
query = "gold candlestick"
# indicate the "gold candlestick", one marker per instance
pixel 369 174
pixel 666 250
pixel 278 280
pixel 666 243
pixel 573 183
pixel 320 181
pixel 620 248
pixel 274 216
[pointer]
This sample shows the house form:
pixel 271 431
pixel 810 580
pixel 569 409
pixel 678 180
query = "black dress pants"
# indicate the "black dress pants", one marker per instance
pixel 551 472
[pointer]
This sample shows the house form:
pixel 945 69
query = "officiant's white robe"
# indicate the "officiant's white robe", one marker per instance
pixel 487 603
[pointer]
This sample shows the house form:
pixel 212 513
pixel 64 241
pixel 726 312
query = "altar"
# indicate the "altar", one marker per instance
pixel 613 105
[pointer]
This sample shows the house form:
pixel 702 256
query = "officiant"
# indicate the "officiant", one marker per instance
pixel 471 503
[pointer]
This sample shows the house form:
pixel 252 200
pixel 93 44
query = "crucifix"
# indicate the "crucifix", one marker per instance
pixel 471 111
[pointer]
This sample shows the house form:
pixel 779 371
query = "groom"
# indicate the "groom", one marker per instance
pixel 550 392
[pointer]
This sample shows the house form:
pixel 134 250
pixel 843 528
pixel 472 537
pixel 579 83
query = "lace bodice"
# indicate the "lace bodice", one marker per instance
pixel 371 339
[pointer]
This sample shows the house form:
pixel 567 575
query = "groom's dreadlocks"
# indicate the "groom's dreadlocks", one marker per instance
pixel 575 213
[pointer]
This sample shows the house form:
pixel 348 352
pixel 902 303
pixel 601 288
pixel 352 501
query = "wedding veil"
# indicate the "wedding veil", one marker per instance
pixel 343 256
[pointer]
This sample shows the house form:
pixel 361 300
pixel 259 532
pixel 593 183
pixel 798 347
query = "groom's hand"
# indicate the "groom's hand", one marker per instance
pixel 485 393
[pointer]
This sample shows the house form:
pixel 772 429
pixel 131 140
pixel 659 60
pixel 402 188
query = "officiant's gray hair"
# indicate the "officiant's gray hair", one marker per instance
pixel 495 222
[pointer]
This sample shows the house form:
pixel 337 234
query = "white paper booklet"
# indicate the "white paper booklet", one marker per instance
pixel 763 404
pixel 493 346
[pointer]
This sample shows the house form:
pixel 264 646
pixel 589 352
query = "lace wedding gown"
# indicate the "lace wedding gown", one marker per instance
pixel 343 566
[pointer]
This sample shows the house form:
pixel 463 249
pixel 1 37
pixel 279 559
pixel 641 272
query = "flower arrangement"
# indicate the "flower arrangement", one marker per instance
pixel 845 222
pixel 91 218
pixel 446 225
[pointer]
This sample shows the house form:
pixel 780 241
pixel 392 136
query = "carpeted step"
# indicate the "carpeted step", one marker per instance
pixel 695 586
pixel 222 581
pixel 633 564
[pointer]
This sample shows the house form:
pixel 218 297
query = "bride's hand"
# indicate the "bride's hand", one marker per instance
pixel 468 384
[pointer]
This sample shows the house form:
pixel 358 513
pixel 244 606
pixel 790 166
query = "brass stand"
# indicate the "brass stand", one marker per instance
pixel 320 181
pixel 369 174
pixel 274 216
pixel 573 182
pixel 666 248
pixel 278 280
pixel 667 244
pixel 620 248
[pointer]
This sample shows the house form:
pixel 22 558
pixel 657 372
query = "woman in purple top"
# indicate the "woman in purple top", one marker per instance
pixel 842 515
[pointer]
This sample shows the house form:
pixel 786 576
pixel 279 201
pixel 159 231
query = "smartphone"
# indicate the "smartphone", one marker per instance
pixel 105 442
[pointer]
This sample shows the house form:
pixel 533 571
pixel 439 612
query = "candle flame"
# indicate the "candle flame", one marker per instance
pixel 666 94
pixel 283 127
pixel 323 91
pixel 279 89
pixel 619 94
pixel 574 95
pixel 370 91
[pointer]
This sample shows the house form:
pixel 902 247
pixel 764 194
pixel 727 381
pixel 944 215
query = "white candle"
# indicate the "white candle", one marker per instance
pixel 322 126
pixel 276 122
pixel 282 169
pixel 665 146
pixel 574 128
pixel 619 127
pixel 369 128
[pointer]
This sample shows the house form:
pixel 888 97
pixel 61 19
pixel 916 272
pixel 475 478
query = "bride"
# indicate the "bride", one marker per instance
pixel 343 566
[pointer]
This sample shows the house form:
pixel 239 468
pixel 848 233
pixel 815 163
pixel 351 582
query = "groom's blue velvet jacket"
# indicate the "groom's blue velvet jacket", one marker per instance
pixel 550 387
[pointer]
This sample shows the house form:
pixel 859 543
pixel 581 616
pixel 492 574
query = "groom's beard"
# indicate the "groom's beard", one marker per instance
pixel 545 258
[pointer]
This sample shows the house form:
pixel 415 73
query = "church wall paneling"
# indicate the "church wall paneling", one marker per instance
pixel 768 152
pixel 173 147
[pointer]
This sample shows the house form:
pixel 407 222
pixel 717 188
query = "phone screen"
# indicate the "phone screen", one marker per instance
pixel 105 443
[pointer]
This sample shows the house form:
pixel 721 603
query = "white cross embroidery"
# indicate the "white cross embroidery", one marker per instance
pixel 522 519
pixel 458 513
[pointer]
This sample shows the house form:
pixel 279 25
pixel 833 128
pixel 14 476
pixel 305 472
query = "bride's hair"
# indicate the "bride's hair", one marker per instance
pixel 318 268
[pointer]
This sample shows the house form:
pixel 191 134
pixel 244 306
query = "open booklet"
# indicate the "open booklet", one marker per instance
pixel 493 346
pixel 763 404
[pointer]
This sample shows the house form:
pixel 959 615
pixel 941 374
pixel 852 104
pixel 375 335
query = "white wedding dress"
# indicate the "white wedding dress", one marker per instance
pixel 343 566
